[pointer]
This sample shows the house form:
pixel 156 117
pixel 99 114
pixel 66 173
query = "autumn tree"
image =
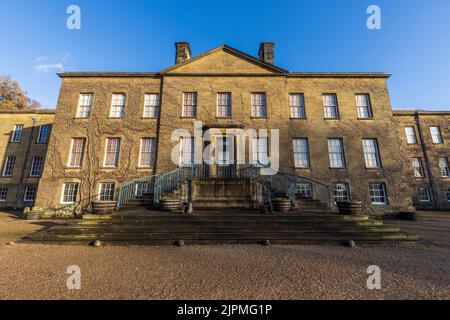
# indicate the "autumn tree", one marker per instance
pixel 12 97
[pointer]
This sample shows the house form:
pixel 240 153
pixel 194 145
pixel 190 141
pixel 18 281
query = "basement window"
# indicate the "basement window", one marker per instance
pixel 341 192
pixel 378 193
pixel 424 194
pixel 107 191
pixel 3 194
pixel 30 194
pixel 70 191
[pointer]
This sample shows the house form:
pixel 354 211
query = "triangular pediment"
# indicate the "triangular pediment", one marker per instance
pixel 224 60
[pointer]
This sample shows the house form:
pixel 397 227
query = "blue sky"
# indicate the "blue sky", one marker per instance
pixel 320 35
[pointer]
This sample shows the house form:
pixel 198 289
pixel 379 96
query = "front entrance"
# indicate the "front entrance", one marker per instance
pixel 223 164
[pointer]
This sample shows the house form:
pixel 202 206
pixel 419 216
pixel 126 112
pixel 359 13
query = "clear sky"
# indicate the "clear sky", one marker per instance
pixel 319 35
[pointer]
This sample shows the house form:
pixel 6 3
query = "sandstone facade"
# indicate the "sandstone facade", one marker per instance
pixel 226 70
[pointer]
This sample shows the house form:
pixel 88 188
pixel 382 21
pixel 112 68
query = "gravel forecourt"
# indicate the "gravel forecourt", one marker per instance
pixel 226 272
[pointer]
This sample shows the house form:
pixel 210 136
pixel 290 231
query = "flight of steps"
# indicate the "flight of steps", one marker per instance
pixel 139 227
pixel 310 204
pixel 146 200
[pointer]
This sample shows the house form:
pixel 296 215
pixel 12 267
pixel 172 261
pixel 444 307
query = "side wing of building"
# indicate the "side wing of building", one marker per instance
pixel 23 146
pixel 426 145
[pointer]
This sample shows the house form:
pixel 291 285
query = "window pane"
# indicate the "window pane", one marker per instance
pixel 304 190
pixel 363 106
pixel 260 154
pixel 341 192
pixel 301 153
pixel 224 105
pixel 336 153
pixel 436 135
pixel 107 192
pixel 189 104
pixel 118 106
pixel 297 104
pixel 444 168
pixel 112 152
pixel 417 166
pixel 259 105
pixel 151 106
pixel 76 154
pixel 84 105
pixel 410 135
pixel 187 152
pixel 30 193
pixel 9 166
pixel 371 154
pixel 330 106
pixel 147 156
pixel 70 192
pixel 424 194
pixel 36 166
pixel 3 193
pixel 17 133
pixel 378 193
pixel 43 134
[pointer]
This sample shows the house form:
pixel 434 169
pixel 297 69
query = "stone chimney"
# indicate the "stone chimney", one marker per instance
pixel 266 52
pixel 183 52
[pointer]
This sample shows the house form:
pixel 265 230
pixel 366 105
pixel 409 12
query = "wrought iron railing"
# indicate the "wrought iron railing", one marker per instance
pixel 135 189
pixel 277 184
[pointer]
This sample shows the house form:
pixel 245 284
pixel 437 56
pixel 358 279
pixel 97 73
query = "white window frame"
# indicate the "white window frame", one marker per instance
pixel 417 167
pixel 336 153
pixel 411 137
pixel 106 164
pixel 427 194
pixel 297 105
pixel 100 191
pixel 363 106
pixel 224 105
pixel 444 167
pixel 36 172
pixel 3 194
pixel 84 107
pixel 448 194
pixel 189 110
pixel 436 135
pixel 16 136
pixel 8 165
pixel 259 104
pixel 63 192
pixel 147 153
pixel 71 153
pixel 342 193
pixel 375 193
pixel 184 153
pixel 143 188
pixel 25 196
pixel 118 103
pixel 330 106
pixel 151 105
pixel 304 189
pixel 372 157
pixel 301 153
pixel 260 151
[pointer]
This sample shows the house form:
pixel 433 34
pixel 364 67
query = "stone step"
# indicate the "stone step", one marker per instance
pixel 222 227
pixel 219 229
pixel 105 236
pixel 160 242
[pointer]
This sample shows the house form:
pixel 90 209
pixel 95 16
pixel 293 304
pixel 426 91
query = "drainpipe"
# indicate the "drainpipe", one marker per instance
pixel 427 161
pixel 24 167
